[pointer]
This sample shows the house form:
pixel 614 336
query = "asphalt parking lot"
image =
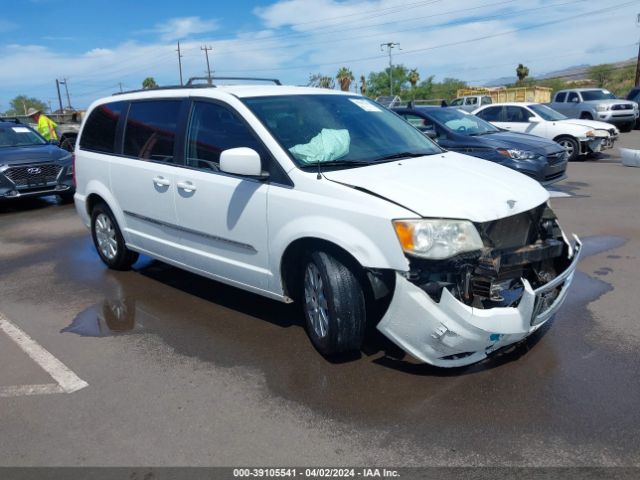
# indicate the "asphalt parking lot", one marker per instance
pixel 160 367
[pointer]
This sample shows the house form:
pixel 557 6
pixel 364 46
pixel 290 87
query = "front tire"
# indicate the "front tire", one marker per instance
pixel 571 145
pixel 333 304
pixel 109 241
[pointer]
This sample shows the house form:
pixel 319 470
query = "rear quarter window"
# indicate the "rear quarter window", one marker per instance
pixel 560 96
pixel 99 132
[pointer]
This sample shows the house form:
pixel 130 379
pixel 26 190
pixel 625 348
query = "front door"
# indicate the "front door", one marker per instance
pixel 223 217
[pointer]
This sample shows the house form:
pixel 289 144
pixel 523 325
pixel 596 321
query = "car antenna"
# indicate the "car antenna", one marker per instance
pixel 319 176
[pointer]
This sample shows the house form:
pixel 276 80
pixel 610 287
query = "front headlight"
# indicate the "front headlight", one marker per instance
pixel 603 108
pixel 437 239
pixel 517 154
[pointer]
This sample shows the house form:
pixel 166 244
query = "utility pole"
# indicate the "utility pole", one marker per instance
pixel 390 46
pixel 180 62
pixel 637 83
pixel 206 53
pixel 59 96
pixel 66 88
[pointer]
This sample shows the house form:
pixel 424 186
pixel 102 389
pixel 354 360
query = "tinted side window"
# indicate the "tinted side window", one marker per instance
pixel 485 100
pixel 517 114
pixel 212 129
pixel 99 133
pixel 561 96
pixel 150 132
pixel 573 96
pixel 456 102
pixel 471 101
pixel 491 114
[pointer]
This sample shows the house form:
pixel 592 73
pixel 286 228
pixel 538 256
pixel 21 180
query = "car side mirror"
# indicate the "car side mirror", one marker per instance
pixel 242 161
pixel 575 100
pixel 534 120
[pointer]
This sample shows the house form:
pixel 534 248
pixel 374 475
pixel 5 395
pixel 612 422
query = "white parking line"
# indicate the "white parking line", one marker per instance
pixel 67 381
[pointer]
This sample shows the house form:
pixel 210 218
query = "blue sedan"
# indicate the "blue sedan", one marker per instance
pixel 458 131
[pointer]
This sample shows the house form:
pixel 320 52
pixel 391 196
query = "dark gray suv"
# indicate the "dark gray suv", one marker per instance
pixel 31 166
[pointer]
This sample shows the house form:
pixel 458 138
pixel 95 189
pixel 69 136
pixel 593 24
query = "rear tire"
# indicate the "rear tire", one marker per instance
pixel 571 145
pixel 108 239
pixel 333 303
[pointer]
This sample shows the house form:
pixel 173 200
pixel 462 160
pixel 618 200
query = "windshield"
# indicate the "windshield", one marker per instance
pixel 461 122
pixel 589 95
pixel 547 113
pixel 19 136
pixel 338 129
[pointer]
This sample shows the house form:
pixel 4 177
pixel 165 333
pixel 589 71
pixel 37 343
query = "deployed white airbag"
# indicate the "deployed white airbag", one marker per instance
pixel 327 146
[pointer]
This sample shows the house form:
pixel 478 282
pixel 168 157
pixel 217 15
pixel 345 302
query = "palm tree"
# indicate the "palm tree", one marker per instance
pixel 522 72
pixel 414 78
pixel 345 77
pixel 149 82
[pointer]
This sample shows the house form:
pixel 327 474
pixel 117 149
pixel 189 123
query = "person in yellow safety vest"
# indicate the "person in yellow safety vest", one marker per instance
pixel 46 126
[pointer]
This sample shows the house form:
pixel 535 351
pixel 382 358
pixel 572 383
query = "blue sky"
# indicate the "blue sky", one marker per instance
pixel 99 45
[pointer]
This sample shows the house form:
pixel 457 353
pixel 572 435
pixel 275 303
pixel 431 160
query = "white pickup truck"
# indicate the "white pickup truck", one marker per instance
pixel 596 104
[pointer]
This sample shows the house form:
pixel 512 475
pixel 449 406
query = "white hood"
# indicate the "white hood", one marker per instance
pixel 593 124
pixel 448 185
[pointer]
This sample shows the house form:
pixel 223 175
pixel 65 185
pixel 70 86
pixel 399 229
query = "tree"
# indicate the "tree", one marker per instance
pixel 148 83
pixel 378 82
pixel 522 72
pixel 601 74
pixel 344 77
pixel 448 88
pixel 22 103
pixel 413 78
pixel 319 80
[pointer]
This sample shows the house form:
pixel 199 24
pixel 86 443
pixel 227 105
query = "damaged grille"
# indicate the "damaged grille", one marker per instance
pixel 527 246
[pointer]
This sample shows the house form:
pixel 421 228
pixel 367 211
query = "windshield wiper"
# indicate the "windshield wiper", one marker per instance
pixel 394 156
pixel 339 163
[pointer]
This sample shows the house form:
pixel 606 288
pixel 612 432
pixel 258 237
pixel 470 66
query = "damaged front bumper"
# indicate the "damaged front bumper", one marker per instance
pixel 450 333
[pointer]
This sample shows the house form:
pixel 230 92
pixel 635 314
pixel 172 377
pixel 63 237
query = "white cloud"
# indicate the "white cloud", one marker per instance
pixel 179 28
pixel 298 37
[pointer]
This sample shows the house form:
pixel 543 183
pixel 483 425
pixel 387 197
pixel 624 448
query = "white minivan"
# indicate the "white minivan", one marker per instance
pixel 327 199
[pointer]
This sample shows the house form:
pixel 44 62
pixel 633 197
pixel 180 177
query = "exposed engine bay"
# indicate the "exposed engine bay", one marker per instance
pixel 528 245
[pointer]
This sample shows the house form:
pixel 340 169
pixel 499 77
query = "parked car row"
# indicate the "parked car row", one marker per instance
pixel 455 130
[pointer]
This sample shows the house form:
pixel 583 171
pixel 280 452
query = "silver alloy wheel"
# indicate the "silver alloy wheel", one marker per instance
pixel 568 146
pixel 106 236
pixel 316 305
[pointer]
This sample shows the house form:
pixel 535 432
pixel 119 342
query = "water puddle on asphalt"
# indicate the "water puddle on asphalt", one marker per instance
pixel 107 318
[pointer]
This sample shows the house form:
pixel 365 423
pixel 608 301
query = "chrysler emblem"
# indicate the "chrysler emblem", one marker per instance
pixel 511 203
pixel 34 170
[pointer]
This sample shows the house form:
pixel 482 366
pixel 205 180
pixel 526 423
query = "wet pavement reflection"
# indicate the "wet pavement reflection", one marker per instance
pixel 557 376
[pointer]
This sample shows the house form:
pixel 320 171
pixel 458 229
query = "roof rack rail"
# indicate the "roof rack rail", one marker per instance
pixel 210 80
pixel 191 84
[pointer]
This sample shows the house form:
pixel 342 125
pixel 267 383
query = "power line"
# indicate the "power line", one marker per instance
pixel 443 45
